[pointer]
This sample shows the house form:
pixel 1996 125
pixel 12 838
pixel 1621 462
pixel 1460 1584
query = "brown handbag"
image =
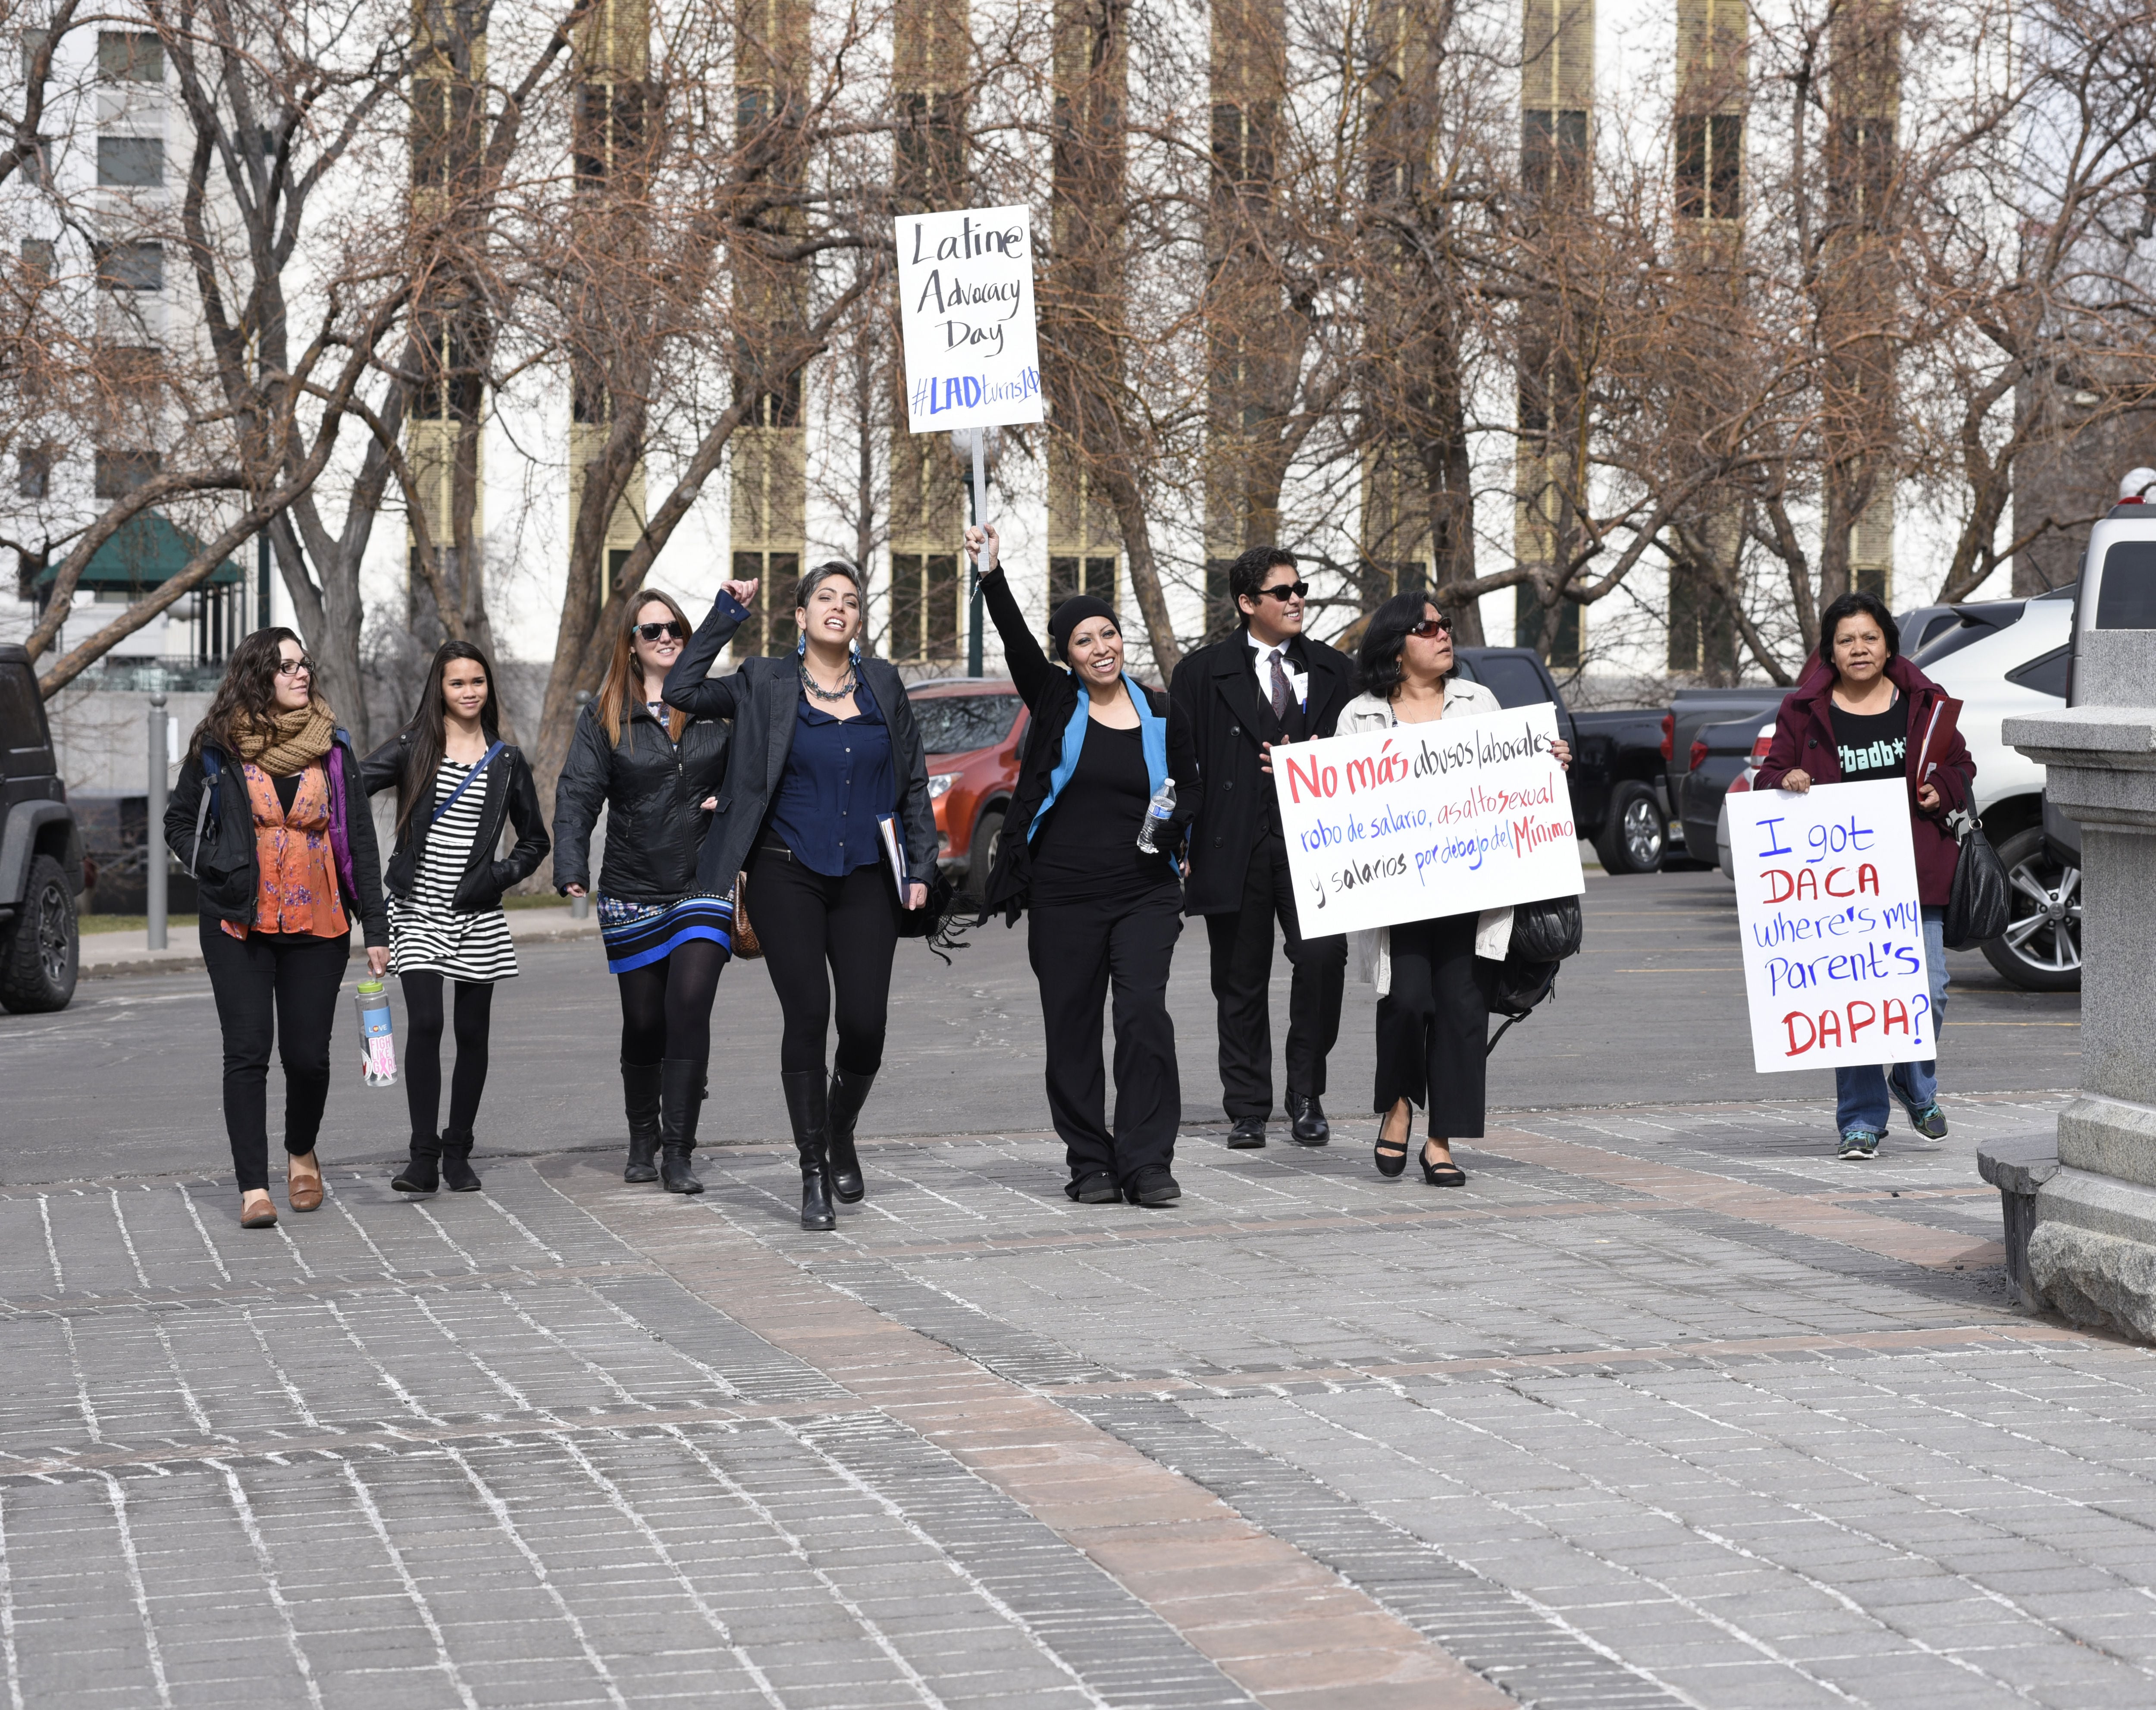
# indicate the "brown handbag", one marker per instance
pixel 746 945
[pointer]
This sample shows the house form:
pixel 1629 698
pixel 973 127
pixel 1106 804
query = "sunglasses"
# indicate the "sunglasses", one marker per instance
pixel 1431 628
pixel 1285 591
pixel 652 632
pixel 295 667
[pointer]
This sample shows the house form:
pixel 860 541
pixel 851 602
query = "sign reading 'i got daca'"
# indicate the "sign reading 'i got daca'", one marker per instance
pixel 965 297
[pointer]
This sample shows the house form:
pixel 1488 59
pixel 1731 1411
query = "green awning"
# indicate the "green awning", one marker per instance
pixel 144 551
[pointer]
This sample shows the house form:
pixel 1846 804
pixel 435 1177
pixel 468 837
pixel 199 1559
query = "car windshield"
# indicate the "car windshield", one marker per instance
pixel 1514 680
pixel 955 724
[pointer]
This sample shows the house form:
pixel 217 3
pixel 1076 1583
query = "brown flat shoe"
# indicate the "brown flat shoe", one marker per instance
pixel 302 1193
pixel 263 1216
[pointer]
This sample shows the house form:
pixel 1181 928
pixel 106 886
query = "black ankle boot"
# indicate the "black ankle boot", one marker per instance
pixel 457 1174
pixel 639 1103
pixel 423 1171
pixel 807 1108
pixel 848 1092
pixel 680 1088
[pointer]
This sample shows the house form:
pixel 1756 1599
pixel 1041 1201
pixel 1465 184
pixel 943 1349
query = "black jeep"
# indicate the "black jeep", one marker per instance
pixel 41 865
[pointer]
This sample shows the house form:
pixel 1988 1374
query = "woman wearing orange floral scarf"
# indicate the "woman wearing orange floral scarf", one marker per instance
pixel 270 816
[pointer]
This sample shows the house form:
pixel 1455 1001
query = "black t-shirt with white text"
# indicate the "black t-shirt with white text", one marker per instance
pixel 1873 744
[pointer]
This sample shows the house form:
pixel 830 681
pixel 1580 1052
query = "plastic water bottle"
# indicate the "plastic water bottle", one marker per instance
pixel 377 1044
pixel 1158 812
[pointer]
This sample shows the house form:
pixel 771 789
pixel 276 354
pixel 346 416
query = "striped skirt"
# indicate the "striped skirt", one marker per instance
pixel 637 934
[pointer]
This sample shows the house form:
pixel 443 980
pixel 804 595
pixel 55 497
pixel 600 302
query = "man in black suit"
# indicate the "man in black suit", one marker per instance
pixel 1268 683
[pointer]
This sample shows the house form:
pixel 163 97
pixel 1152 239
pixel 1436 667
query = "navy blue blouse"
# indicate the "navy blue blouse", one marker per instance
pixel 839 780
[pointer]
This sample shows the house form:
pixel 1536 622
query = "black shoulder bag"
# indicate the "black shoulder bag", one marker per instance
pixel 1544 933
pixel 1979 906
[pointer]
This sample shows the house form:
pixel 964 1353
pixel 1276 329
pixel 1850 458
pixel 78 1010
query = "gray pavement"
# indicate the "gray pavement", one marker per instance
pixel 1666 1407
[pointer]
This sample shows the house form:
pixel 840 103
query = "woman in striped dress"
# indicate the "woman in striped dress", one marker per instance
pixel 655 771
pixel 457 783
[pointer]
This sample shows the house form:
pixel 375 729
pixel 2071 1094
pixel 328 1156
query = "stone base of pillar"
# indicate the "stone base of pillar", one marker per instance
pixel 2092 1252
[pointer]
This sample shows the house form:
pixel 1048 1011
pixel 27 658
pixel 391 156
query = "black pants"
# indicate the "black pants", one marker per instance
pixel 666 1006
pixel 806 922
pixel 273 990
pixel 1434 1027
pixel 421 1053
pixel 1080 953
pixel 1242 944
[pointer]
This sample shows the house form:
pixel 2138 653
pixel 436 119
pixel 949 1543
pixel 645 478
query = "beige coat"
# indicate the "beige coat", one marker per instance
pixel 1371 952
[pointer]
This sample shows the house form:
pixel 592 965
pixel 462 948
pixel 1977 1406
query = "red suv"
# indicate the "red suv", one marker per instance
pixel 972 727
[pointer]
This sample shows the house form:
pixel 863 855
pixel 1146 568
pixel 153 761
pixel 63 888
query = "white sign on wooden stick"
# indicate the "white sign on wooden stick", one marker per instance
pixel 1832 926
pixel 1451 817
pixel 965 298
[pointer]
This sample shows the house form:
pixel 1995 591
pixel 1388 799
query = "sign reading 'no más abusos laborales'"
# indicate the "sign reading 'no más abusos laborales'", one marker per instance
pixel 965 298
pixel 1451 817
pixel 1832 926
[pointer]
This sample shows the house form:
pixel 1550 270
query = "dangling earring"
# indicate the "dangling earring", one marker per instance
pixel 856 650
pixel 801 647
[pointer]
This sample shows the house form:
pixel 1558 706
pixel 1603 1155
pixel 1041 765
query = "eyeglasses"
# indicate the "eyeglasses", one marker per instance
pixel 295 667
pixel 1431 628
pixel 1285 591
pixel 652 632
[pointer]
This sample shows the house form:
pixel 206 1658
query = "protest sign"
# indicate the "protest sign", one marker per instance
pixel 1832 926
pixel 965 300
pixel 1451 817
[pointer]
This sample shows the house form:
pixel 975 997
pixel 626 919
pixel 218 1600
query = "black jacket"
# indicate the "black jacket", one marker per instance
pixel 649 788
pixel 228 878
pixel 760 699
pixel 506 793
pixel 1054 697
pixel 1214 697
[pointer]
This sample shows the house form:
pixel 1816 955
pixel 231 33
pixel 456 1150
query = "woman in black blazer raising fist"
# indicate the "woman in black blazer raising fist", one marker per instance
pixel 825 758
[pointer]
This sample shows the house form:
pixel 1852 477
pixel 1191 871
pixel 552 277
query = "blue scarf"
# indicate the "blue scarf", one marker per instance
pixel 1153 736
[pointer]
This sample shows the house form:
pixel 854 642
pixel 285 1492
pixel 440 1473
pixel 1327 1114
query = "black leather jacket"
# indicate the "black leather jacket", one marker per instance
pixel 507 793
pixel 649 788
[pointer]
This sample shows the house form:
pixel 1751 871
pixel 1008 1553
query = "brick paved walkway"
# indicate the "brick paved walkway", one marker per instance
pixel 1667 1407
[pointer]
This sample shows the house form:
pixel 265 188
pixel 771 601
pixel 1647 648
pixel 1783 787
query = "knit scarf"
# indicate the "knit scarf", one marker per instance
pixel 290 741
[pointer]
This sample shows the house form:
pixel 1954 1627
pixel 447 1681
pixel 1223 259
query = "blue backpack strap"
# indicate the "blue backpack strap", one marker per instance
pixel 471 777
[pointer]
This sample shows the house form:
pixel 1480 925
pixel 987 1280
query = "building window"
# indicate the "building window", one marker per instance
pixel 610 121
pixel 130 56
pixel 130 162
pixel 40 258
pixel 130 267
pixel 924 605
pixel 1710 166
pixel 1553 150
pixel 770 629
pixel 1560 649
pixel 118 473
pixel 1069 576
pixel 34 473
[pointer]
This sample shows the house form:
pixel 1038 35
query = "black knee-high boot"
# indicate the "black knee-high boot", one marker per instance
pixel 848 1092
pixel 681 1090
pixel 807 1108
pixel 639 1103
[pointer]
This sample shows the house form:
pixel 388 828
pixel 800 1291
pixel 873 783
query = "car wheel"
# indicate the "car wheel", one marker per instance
pixel 981 861
pixel 38 956
pixel 2041 950
pixel 1633 836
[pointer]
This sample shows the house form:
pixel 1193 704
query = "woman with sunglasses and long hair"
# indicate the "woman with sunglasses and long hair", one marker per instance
pixel 830 762
pixel 270 817
pixel 654 769
pixel 1433 999
pixel 457 784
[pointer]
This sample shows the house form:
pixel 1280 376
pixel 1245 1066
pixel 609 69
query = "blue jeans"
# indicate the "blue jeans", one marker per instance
pixel 1862 1090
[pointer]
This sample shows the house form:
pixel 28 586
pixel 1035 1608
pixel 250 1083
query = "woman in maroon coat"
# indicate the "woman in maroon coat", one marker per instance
pixel 1859 714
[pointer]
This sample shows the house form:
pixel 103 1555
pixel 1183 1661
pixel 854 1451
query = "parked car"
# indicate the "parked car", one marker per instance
pixel 1972 624
pixel 41 863
pixel 1721 753
pixel 1762 741
pixel 1923 625
pixel 972 727
pixel 1690 711
pixel 1617 760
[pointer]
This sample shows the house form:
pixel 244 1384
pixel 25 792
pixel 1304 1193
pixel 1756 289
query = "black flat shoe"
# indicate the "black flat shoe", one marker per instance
pixel 1392 1157
pixel 1099 1188
pixel 1247 1131
pixel 1447 1175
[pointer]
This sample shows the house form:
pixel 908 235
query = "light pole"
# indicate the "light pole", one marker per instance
pixel 580 907
pixel 153 832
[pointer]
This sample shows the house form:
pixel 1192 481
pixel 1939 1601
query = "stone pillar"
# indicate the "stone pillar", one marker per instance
pixel 2092 1252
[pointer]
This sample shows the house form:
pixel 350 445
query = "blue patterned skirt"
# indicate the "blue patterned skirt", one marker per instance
pixel 637 934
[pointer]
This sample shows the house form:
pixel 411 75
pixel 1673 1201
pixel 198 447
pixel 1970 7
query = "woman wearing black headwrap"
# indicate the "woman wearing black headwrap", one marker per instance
pixel 1104 913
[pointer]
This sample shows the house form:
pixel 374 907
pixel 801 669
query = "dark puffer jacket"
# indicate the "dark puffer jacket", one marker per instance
pixel 649 788
pixel 506 793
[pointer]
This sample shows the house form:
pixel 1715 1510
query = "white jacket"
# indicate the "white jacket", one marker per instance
pixel 1371 952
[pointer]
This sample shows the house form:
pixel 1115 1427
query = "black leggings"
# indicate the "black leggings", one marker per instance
pixel 666 1006
pixel 280 991
pixel 805 920
pixel 423 1052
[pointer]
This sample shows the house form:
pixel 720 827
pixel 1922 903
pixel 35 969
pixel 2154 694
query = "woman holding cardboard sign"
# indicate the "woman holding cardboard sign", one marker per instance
pixel 825 809
pixel 1432 1005
pixel 1863 711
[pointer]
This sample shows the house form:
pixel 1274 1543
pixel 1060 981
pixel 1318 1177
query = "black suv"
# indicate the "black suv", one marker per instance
pixel 41 867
